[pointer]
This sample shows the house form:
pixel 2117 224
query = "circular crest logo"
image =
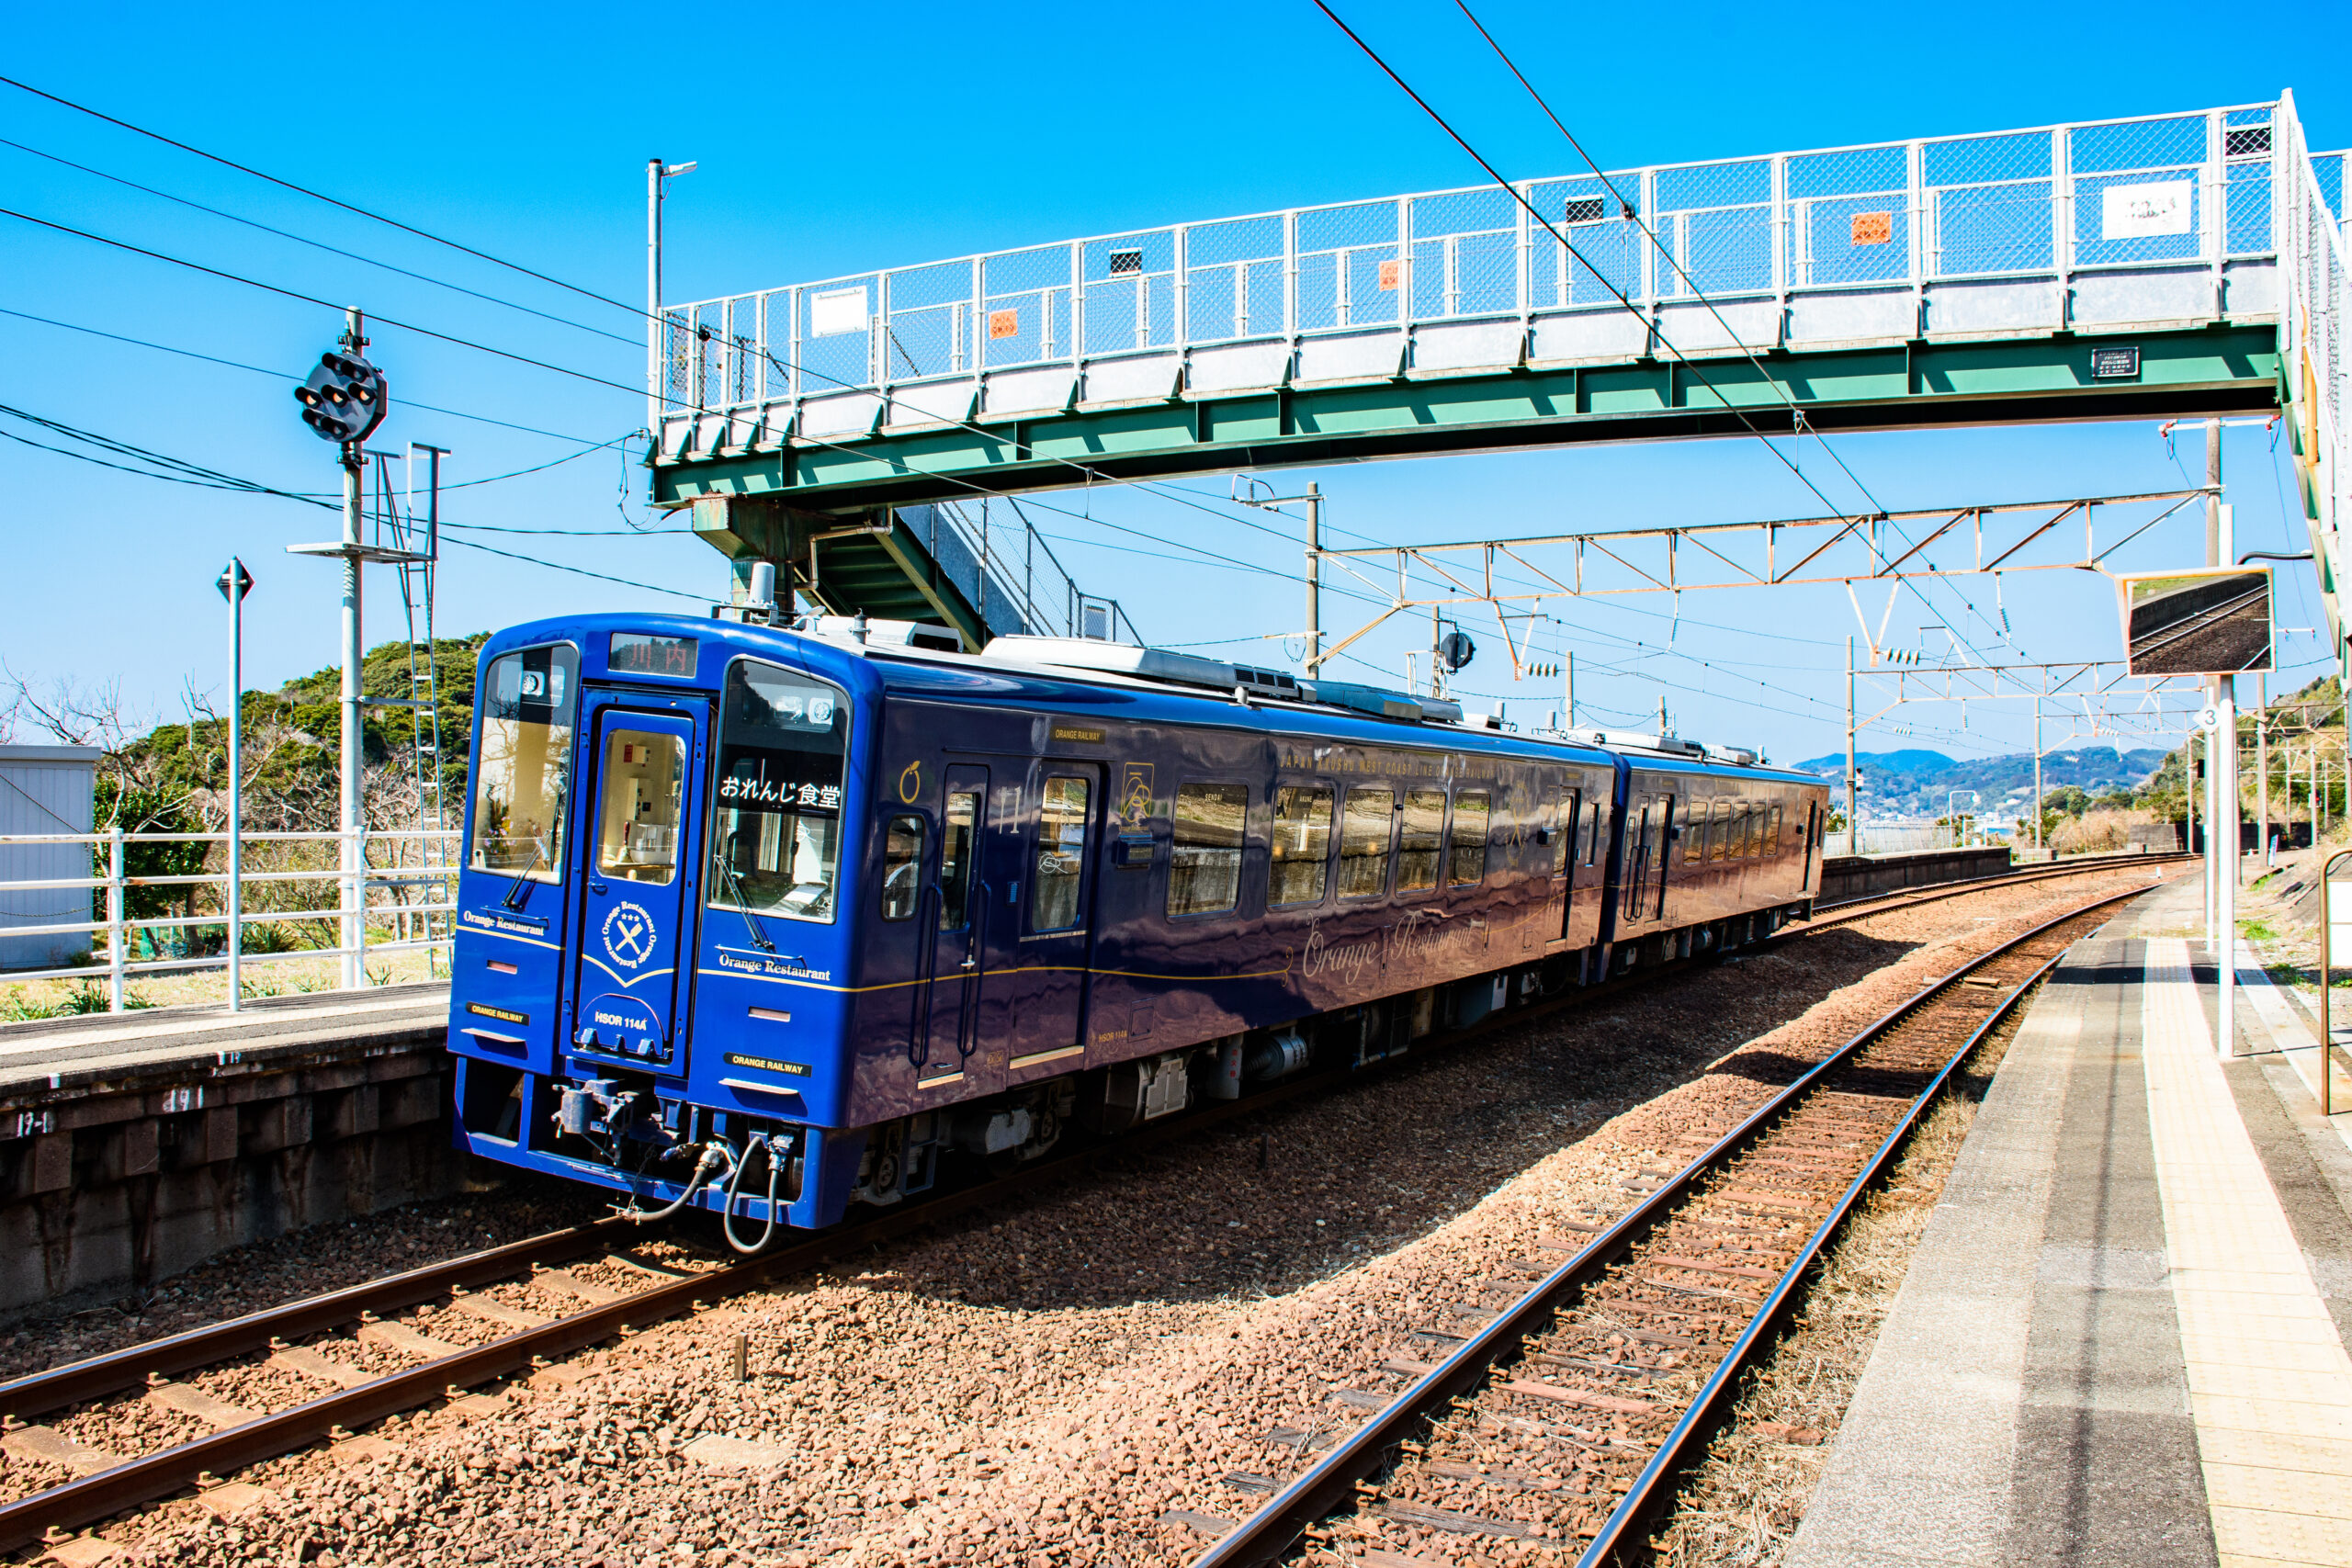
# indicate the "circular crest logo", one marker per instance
pixel 629 934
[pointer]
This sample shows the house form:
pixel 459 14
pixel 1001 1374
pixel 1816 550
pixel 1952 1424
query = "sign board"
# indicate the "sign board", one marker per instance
pixel 2146 211
pixel 836 311
pixel 1873 228
pixel 2211 622
pixel 2339 919
pixel 2115 364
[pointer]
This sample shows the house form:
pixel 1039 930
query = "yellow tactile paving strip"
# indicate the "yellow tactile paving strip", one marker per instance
pixel 2269 1385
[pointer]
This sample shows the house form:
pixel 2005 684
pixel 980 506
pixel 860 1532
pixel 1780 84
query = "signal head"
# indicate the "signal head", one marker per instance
pixel 345 398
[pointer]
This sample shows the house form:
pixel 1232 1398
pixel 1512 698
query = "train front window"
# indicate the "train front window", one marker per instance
pixel 1470 813
pixel 637 837
pixel 1365 827
pixel 523 778
pixel 1205 862
pixel 1302 844
pixel 776 817
pixel 1424 840
pixel 1061 854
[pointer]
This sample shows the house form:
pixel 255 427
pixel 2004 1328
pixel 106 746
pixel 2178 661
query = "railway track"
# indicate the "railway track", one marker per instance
pixel 371 1350
pixel 1829 915
pixel 1599 1361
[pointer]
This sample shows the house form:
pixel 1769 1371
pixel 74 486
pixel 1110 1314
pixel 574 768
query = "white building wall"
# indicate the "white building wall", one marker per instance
pixel 44 789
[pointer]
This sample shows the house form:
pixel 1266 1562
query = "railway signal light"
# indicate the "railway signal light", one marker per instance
pixel 345 399
pixel 1457 650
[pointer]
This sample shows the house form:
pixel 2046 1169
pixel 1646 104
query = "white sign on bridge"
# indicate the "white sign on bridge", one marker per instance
pixel 2143 211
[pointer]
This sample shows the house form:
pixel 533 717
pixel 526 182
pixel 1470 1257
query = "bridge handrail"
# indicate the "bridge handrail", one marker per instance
pixel 862 350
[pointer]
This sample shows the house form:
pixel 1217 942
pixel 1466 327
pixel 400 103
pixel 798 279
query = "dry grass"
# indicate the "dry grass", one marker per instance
pixel 264 976
pixel 1741 1507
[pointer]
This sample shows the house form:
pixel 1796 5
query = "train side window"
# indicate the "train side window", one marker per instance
pixel 1755 809
pixel 1592 831
pixel 1472 809
pixel 901 867
pixel 1205 862
pixel 1424 840
pixel 637 837
pixel 959 832
pixel 1773 831
pixel 1719 834
pixel 523 778
pixel 1061 853
pixel 1568 820
pixel 1302 844
pixel 1694 832
pixel 1366 825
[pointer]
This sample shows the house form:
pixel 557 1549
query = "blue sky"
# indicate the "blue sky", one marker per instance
pixel 832 139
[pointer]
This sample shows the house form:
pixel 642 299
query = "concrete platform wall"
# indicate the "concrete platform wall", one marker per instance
pixel 115 1178
pixel 1857 876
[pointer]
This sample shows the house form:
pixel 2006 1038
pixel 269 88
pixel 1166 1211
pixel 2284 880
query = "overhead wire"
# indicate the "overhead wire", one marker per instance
pixel 314 300
pixel 315 245
pixel 1798 422
pixel 198 474
pixel 283 376
pixel 318 196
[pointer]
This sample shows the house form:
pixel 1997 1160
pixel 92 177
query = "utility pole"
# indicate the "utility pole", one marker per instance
pixel 2223 549
pixel 656 171
pixel 353 902
pixel 2188 791
pixel 1853 808
pixel 2037 772
pixel 1568 662
pixel 2262 764
pixel 1437 660
pixel 234 583
pixel 1314 579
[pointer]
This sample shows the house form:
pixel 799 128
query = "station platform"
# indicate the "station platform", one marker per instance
pixel 2121 1340
pixel 56 1051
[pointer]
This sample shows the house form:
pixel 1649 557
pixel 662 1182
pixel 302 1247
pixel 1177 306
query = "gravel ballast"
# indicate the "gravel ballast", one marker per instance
pixel 1040 1382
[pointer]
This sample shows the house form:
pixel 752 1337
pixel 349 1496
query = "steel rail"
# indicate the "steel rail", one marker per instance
pixel 108 1491
pixel 1852 909
pixel 40 1392
pixel 1331 1481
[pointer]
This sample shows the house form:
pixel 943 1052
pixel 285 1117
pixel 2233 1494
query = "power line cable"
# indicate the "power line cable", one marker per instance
pixel 319 196
pixel 317 244
pixel 282 375
pixel 313 299
pixel 1623 302
pixel 193 473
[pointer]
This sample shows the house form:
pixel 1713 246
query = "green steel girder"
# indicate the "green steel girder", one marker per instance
pixel 2222 368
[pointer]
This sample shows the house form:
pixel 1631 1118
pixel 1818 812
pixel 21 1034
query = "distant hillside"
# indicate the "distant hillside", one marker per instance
pixel 1915 784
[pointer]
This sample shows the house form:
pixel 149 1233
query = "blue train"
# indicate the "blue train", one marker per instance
pixel 772 920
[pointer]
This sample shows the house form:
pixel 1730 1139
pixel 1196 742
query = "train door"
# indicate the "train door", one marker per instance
pixel 955 972
pixel 637 876
pixel 1568 825
pixel 1669 898
pixel 1041 933
pixel 1639 859
pixel 1812 843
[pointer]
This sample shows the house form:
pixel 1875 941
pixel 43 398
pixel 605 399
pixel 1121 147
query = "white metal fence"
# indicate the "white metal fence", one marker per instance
pixel 398 886
pixel 2058 226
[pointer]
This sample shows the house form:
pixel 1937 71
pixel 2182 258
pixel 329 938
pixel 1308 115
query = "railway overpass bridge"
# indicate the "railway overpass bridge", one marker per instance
pixel 2173 266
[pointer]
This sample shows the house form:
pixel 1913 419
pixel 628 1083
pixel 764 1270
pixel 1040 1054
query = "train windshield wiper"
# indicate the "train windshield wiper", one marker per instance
pixel 523 877
pixel 743 907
